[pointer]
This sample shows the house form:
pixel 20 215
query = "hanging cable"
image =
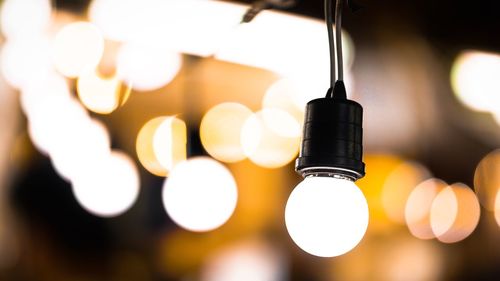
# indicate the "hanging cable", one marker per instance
pixel 338 40
pixel 331 42
pixel 337 88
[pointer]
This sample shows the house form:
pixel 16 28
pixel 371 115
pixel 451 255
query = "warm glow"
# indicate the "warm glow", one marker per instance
pixel 110 187
pixel 24 60
pixel 248 261
pixel 188 26
pixel 220 131
pixel 398 186
pixel 99 94
pixel 24 18
pixel 147 67
pixel 378 168
pixel 263 145
pixel 487 179
pixel 161 143
pixel 52 123
pixel 78 47
pixel 169 142
pixel 284 95
pixel 325 216
pixel 455 213
pixel 200 194
pixel 444 211
pixel 475 81
pixel 272 38
pixel 80 149
pixel 409 259
pixel 418 208
pixel 281 123
pixel 497 208
pixel 47 88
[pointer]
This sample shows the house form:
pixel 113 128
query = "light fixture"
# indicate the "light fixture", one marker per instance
pixel 326 214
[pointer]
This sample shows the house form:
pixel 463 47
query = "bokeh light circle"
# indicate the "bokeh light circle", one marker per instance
pixel 475 82
pixel 77 47
pixel 220 131
pixel 455 213
pixel 263 145
pixel 24 18
pixel 97 93
pixel 47 88
pixel 147 68
pixel 24 61
pixel 110 188
pixel 200 194
pixel 487 179
pixel 161 144
pixel 418 208
pixel 398 186
pixel 81 149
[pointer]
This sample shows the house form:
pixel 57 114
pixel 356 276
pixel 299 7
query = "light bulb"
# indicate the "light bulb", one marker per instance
pixel 326 216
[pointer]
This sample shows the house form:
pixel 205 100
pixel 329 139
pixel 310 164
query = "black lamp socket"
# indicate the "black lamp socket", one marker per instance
pixel 332 140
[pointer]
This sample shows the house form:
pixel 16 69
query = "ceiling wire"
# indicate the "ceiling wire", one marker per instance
pixel 338 40
pixel 337 88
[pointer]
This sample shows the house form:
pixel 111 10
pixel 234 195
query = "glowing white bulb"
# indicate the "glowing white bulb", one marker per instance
pixel 326 216
pixel 200 194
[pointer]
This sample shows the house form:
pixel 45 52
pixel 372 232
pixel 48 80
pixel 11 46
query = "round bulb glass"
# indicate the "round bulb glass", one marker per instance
pixel 326 216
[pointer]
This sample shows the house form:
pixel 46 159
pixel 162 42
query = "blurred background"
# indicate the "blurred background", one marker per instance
pixel 103 101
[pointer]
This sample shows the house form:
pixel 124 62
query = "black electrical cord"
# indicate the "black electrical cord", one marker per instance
pixel 338 40
pixel 337 88
pixel 331 40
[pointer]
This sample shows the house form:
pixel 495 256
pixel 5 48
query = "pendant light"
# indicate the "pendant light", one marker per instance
pixel 326 214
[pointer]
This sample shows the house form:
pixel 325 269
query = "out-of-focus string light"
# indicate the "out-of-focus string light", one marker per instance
pixel 161 144
pixel 289 96
pixel 398 186
pixel 200 194
pixel 418 208
pixel 100 94
pixel 487 179
pixel 496 116
pixel 146 67
pixel 263 145
pixel 169 142
pixel 110 187
pixel 497 208
pixel 117 18
pixel 77 48
pixel 455 213
pixel 187 26
pixel 475 82
pixel 248 261
pixel 51 123
pixel 80 149
pixel 399 257
pixel 24 60
pixel 220 131
pixel 280 96
pixel 45 89
pixel 204 28
pixel 24 18
pixel 410 260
